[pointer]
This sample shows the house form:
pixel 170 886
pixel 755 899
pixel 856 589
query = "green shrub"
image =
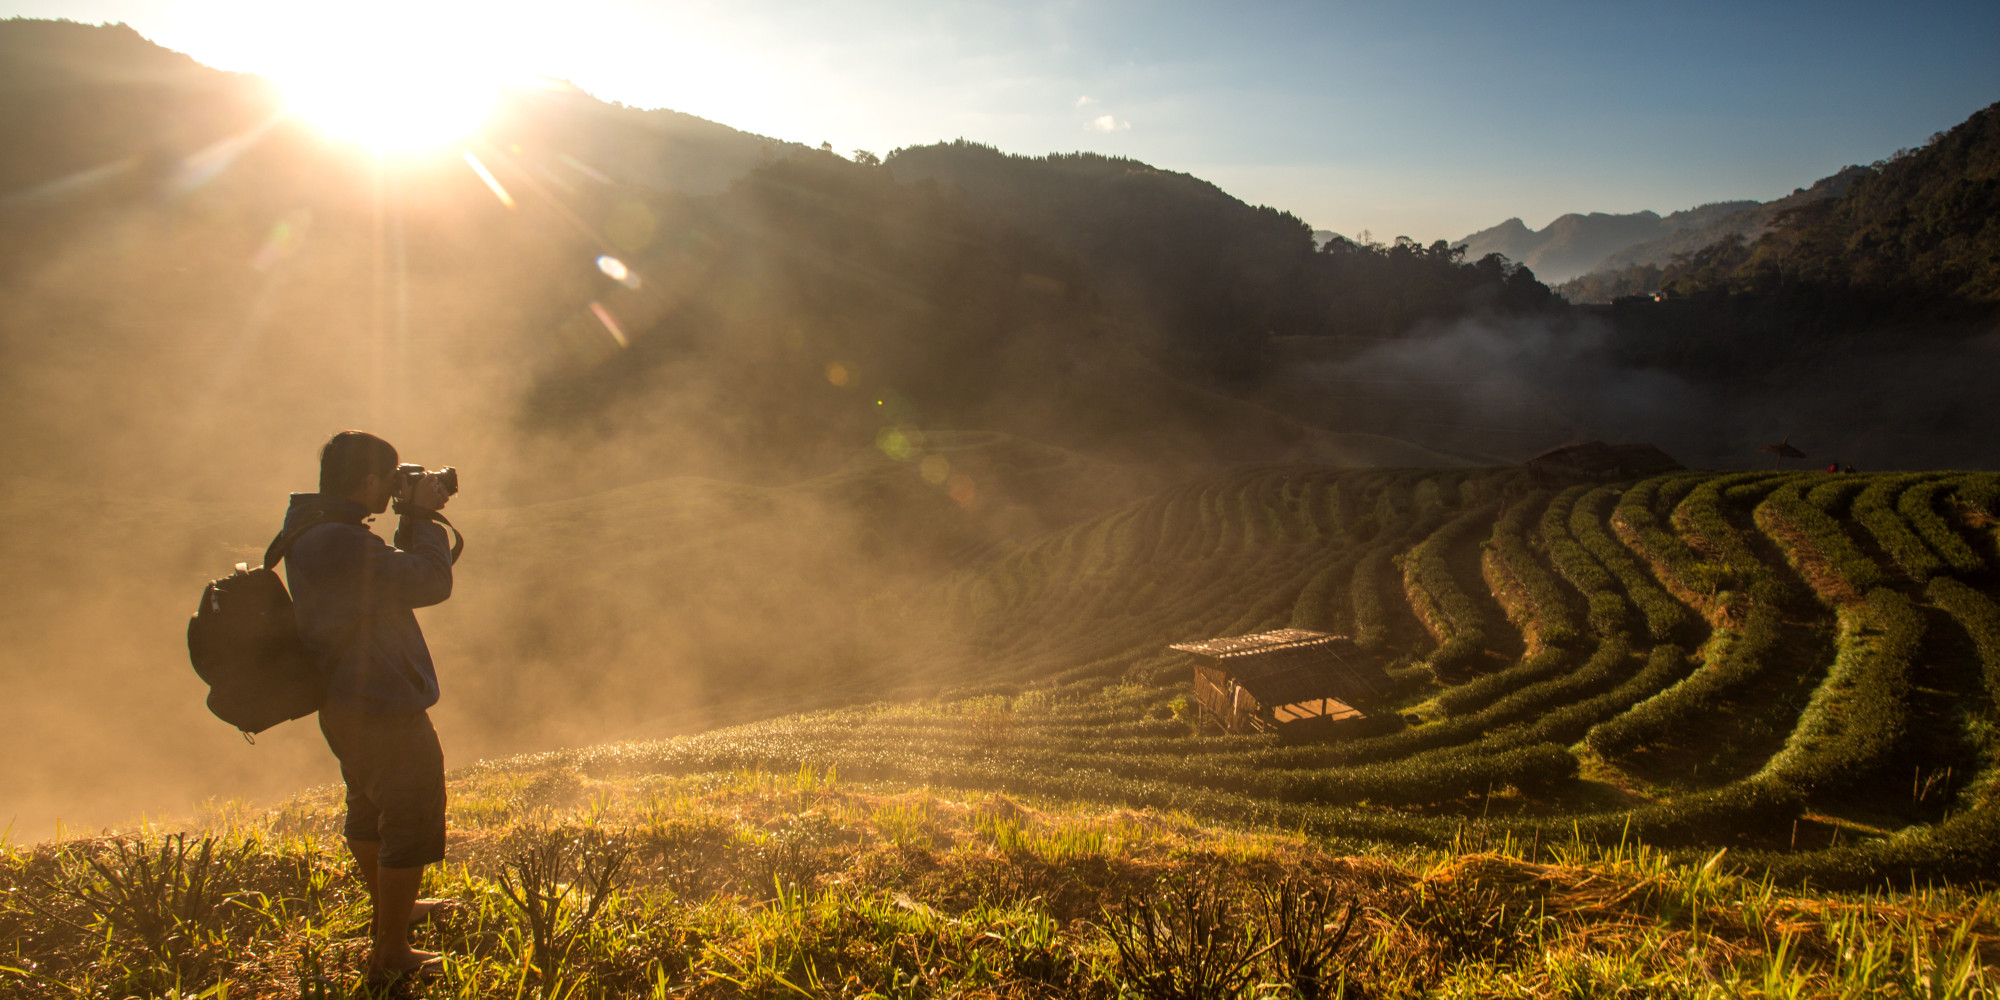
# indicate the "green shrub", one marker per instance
pixel 1979 491
pixel 1788 518
pixel 1437 777
pixel 1664 615
pixel 1964 849
pixel 1918 505
pixel 1605 607
pixel 1371 621
pixel 1875 509
pixel 1860 713
pixel 1665 664
pixel 1549 618
pixel 1673 561
pixel 1730 563
pixel 1738 811
pixel 1735 658
pixel 1481 691
pixel 1440 603
pixel 1977 614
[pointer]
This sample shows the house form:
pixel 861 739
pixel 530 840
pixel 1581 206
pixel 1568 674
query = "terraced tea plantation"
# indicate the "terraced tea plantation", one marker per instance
pixel 1801 667
pixel 1705 735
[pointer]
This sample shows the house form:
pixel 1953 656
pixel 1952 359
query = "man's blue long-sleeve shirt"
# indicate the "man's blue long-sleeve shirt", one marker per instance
pixel 354 597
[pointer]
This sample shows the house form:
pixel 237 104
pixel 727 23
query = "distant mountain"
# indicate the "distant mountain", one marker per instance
pixel 1636 269
pixel 1920 227
pixel 1575 244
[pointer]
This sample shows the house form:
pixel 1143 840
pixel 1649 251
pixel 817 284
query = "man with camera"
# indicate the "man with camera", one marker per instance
pixel 354 596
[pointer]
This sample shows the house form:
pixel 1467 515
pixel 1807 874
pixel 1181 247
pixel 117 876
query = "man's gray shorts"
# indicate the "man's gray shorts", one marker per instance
pixel 394 769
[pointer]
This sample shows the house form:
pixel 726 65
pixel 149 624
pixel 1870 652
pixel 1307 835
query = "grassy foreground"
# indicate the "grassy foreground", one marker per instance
pixel 753 883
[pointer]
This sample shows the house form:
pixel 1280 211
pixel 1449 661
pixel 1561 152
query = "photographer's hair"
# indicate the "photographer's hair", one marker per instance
pixel 349 457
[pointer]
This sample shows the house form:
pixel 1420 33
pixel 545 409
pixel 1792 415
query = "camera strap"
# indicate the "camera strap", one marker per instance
pixel 457 539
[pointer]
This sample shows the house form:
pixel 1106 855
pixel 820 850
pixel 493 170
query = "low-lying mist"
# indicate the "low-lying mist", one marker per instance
pixel 1505 389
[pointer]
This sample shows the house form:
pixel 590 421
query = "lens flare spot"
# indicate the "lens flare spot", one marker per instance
pixel 631 225
pixel 610 323
pixel 492 184
pixel 896 444
pixel 838 374
pixel 935 468
pixel 616 270
pixel 283 243
pixel 962 490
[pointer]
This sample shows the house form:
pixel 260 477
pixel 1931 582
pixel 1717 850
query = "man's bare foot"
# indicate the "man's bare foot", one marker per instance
pixel 426 909
pixel 410 962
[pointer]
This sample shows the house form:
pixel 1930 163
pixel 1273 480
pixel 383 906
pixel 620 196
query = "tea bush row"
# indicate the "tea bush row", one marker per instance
pixel 1663 614
pixel 1440 603
pixel 1605 608
pixel 1549 619
pixel 1875 509
pixel 1918 505
pixel 1860 713
pixel 1789 517
pixel 1735 658
pixel 1980 617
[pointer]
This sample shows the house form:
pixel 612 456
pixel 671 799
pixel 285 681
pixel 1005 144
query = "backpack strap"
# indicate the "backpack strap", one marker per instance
pixel 282 545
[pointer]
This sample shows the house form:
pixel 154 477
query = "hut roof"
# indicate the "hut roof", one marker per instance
pixel 1261 642
pixel 1293 664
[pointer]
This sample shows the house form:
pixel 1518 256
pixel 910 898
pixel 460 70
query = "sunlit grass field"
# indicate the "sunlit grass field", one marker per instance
pixel 771 884
pixel 1699 735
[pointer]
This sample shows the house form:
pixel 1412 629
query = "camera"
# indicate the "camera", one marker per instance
pixel 408 476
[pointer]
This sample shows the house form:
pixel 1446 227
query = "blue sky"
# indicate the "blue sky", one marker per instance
pixel 1426 119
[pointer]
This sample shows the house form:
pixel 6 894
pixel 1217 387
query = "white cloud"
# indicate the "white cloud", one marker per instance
pixel 1107 123
pixel 1085 101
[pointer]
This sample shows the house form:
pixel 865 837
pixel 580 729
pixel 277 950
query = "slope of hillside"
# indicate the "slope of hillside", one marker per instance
pixel 1758 661
pixel 1632 723
pixel 1215 277
pixel 1924 225
pixel 1638 269
pixel 1573 243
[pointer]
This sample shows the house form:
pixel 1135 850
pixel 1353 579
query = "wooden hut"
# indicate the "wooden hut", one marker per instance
pixel 1290 681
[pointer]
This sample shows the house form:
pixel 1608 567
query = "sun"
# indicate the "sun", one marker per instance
pixel 393 80
pixel 392 113
pixel 393 103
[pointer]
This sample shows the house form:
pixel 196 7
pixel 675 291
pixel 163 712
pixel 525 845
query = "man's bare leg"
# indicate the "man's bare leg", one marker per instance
pixel 395 898
pixel 391 890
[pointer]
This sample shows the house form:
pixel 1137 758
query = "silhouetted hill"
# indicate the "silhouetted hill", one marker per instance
pixel 50 55
pixel 658 148
pixel 1218 277
pixel 1924 224
pixel 1636 270
pixel 1574 244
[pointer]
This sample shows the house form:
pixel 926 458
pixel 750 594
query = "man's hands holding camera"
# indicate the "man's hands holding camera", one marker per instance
pixel 425 489
pixel 430 494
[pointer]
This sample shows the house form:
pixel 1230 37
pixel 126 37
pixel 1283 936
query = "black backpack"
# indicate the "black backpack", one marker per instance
pixel 245 645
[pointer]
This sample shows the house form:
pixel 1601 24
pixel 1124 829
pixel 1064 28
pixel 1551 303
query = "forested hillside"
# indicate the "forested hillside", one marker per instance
pixel 1218 276
pixel 1922 231
pixel 1638 269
